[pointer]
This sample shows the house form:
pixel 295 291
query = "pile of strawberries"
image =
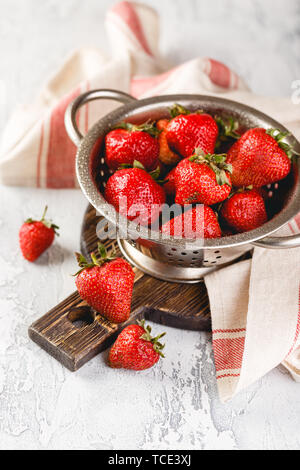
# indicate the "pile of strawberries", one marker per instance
pixel 175 160
pixel 224 192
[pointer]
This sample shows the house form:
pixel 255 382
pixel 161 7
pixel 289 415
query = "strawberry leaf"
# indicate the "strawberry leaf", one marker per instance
pixel 47 223
pixel 227 129
pixel 157 346
pixel 217 162
pixel 148 126
pixel 95 260
pixel 178 109
pixel 279 135
pixel 137 164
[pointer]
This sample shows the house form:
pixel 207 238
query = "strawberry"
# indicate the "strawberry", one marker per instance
pixel 36 236
pixel 165 153
pixel 131 142
pixel 202 178
pixel 187 131
pixel 106 284
pixel 169 185
pixel 135 348
pixel 259 157
pixel 244 210
pixel 198 222
pixel 135 194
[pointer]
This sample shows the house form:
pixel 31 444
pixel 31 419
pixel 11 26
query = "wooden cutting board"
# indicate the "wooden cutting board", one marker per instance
pixel 73 333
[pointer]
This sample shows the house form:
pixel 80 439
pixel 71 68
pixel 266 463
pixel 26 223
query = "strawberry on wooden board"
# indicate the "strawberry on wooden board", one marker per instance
pixel 202 178
pixel 188 131
pixel 135 194
pixel 198 222
pixel 165 153
pixel 260 157
pixel 244 210
pixel 35 236
pixel 135 348
pixel 131 142
pixel 106 284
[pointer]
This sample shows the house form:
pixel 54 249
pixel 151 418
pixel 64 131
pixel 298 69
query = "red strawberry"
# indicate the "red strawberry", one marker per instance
pixel 135 194
pixel 202 178
pixel 36 236
pixel 244 211
pixel 106 284
pixel 135 348
pixel 259 157
pixel 188 131
pixel 131 142
pixel 169 186
pixel 165 153
pixel 198 222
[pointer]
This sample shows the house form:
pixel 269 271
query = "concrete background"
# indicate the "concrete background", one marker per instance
pixel 174 405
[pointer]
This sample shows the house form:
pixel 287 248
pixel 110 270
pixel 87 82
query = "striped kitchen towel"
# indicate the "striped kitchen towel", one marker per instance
pixel 254 303
pixel 255 307
pixel 35 149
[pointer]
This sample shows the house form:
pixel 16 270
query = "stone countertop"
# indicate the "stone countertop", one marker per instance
pixel 174 405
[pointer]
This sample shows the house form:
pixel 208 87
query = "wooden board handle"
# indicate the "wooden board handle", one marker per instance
pixel 73 332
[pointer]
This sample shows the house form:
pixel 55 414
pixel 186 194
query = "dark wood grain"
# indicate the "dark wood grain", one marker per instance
pixel 73 333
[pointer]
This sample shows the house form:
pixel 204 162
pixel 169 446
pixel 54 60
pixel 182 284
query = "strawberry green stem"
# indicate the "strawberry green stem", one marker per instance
pixel 157 346
pixel 178 109
pixel 47 223
pixel 217 162
pixel 279 135
pixel 227 128
pixel 44 213
pixel 95 260
pixel 148 126
pixel 154 173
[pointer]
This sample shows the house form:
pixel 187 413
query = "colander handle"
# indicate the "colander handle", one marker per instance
pixel 292 241
pixel 101 94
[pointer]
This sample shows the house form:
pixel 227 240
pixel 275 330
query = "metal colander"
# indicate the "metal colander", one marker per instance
pixel 174 259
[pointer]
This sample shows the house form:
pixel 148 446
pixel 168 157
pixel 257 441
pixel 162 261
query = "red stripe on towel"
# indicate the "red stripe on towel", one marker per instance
pixel 61 152
pixel 228 353
pixel 128 14
pixel 219 73
pixel 227 375
pixel 229 330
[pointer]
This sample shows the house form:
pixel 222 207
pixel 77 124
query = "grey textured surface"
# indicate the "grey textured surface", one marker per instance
pixel 174 405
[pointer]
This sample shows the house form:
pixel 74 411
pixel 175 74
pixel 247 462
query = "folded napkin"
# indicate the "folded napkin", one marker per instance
pixel 252 302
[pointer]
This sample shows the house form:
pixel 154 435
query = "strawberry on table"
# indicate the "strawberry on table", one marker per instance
pixel 187 131
pixel 165 153
pixel 135 193
pixel 135 348
pixel 260 157
pixel 244 210
pixel 131 142
pixel 35 236
pixel 202 178
pixel 106 284
pixel 198 222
